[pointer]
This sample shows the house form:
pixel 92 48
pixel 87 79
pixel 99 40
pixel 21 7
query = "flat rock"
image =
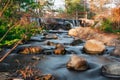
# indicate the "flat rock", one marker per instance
pixel 94 47
pixel 111 70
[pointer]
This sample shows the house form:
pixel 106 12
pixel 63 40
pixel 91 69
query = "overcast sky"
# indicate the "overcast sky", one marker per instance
pixel 59 4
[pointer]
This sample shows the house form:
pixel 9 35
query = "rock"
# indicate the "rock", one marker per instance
pixel 60 49
pixel 50 43
pixel 30 50
pixel 98 25
pixel 17 79
pixel 76 42
pixel 73 32
pixel 36 58
pixel 77 63
pixel 87 33
pixel 111 70
pixel 51 36
pixel 59 45
pixel 45 77
pixel 116 51
pixel 94 47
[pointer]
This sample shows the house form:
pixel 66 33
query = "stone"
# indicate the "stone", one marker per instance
pixel 73 32
pixel 94 47
pixel 51 43
pixel 59 49
pixel 17 79
pixel 36 58
pixel 76 42
pixel 86 33
pixel 45 77
pixel 111 70
pixel 30 50
pixel 116 51
pixel 59 45
pixel 77 63
pixel 51 36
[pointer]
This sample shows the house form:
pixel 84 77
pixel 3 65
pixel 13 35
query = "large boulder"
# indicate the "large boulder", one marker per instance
pixel 94 47
pixel 77 63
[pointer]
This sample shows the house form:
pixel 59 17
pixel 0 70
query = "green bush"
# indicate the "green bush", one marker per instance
pixel 17 33
pixel 107 26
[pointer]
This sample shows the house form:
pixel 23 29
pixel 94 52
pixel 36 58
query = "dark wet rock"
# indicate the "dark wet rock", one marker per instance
pixel 76 42
pixel 94 47
pixel 111 70
pixel 50 43
pixel 60 49
pixel 77 63
pixel 30 50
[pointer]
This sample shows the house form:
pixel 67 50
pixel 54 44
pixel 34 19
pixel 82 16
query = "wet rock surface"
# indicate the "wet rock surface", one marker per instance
pixel 49 63
pixel 111 70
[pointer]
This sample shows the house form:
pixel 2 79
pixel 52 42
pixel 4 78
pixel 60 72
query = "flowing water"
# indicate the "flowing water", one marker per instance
pixel 56 64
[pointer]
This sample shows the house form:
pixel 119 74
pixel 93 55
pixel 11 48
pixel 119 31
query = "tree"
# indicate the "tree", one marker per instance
pixel 14 20
pixel 73 7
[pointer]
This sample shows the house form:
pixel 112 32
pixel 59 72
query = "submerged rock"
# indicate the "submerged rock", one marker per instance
pixel 111 70
pixel 30 50
pixel 60 49
pixel 76 42
pixel 94 47
pixel 77 63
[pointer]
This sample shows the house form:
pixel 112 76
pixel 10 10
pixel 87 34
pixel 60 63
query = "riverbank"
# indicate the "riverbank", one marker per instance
pixel 88 33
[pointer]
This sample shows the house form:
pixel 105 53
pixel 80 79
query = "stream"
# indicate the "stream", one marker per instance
pixel 56 64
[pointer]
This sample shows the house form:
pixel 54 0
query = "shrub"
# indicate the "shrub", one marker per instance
pixel 106 25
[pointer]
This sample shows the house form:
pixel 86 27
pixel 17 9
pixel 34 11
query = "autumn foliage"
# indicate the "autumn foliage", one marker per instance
pixel 115 17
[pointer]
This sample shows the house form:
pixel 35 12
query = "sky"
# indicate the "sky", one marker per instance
pixel 59 4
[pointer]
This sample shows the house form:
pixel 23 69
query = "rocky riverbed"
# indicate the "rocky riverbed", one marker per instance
pixel 46 55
